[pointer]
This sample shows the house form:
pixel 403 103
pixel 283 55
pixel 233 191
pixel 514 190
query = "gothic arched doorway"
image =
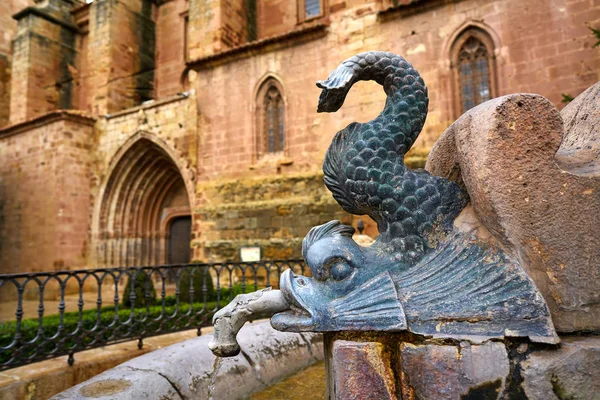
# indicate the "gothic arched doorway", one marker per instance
pixel 145 198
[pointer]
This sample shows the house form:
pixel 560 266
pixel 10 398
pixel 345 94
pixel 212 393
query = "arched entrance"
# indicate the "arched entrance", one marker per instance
pixel 145 200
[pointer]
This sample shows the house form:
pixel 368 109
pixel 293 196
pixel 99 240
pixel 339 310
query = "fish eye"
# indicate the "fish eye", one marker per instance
pixel 340 271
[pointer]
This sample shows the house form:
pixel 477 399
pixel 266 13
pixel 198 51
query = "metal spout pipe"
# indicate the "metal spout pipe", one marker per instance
pixel 229 320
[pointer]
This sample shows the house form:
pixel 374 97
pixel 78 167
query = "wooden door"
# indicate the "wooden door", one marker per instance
pixel 179 240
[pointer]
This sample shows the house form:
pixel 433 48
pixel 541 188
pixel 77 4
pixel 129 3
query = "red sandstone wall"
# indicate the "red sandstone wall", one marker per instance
pixel 8 29
pixel 542 46
pixel 45 195
pixel 121 54
pixel 234 28
pixel 82 98
pixel 273 201
pixel 170 52
pixel 564 62
pixel 276 17
pixel 133 52
pixel 204 37
pixel 39 60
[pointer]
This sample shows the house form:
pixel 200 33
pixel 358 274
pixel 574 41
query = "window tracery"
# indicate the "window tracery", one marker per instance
pixel 473 62
pixel 271 118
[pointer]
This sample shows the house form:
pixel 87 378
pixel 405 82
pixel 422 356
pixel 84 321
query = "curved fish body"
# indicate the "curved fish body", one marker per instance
pixel 364 166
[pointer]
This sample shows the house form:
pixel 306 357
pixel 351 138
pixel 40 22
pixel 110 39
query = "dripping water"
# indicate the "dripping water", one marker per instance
pixel 213 377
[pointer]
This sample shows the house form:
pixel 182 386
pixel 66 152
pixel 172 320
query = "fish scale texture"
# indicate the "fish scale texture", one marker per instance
pixel 364 166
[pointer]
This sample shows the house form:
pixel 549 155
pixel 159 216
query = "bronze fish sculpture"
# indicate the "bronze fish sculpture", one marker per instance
pixel 422 274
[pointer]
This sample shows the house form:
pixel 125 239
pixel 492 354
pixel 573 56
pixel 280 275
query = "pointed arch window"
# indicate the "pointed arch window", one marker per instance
pixel 271 118
pixel 473 63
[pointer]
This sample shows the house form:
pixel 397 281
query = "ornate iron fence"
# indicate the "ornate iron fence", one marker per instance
pixel 142 302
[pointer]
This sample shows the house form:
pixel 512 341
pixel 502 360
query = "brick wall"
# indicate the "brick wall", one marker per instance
pixel 45 193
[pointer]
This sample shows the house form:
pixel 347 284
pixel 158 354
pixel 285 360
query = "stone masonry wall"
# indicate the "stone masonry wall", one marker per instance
pixel 170 51
pixel 274 213
pixel 204 28
pixel 120 55
pixel 398 366
pixel 276 17
pixel 43 57
pixel 45 193
pixel 235 23
pixel 9 28
pixel 541 46
pixel 535 49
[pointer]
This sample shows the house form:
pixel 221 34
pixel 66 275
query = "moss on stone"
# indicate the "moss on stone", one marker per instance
pixel 559 390
pixel 485 391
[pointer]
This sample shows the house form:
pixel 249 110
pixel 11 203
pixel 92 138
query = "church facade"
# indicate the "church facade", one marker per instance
pixel 144 132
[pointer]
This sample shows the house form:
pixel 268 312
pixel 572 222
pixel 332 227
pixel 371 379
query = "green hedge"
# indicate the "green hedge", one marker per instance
pixel 141 282
pixel 110 328
pixel 200 278
pixel 226 295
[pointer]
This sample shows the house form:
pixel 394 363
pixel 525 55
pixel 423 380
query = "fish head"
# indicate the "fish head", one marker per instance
pixel 343 285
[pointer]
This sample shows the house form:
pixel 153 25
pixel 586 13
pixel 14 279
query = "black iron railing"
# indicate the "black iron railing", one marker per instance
pixel 61 313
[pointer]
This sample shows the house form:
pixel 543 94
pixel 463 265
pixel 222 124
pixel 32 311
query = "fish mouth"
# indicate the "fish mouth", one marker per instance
pixel 298 317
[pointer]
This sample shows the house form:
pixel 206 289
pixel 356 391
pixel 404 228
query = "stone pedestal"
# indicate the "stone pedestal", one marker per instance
pixel 399 366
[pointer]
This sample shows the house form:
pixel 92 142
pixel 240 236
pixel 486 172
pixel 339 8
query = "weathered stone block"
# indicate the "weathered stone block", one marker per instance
pixel 579 152
pixel 361 371
pixel 571 372
pixel 453 372
pixel 503 152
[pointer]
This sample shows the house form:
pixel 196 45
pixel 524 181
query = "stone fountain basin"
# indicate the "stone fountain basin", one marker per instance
pixel 188 370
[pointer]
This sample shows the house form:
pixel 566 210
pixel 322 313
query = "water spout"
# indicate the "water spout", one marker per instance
pixel 245 307
pixel 213 377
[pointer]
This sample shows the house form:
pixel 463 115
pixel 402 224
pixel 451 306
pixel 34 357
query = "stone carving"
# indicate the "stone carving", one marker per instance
pixel 426 273
pixel 533 178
